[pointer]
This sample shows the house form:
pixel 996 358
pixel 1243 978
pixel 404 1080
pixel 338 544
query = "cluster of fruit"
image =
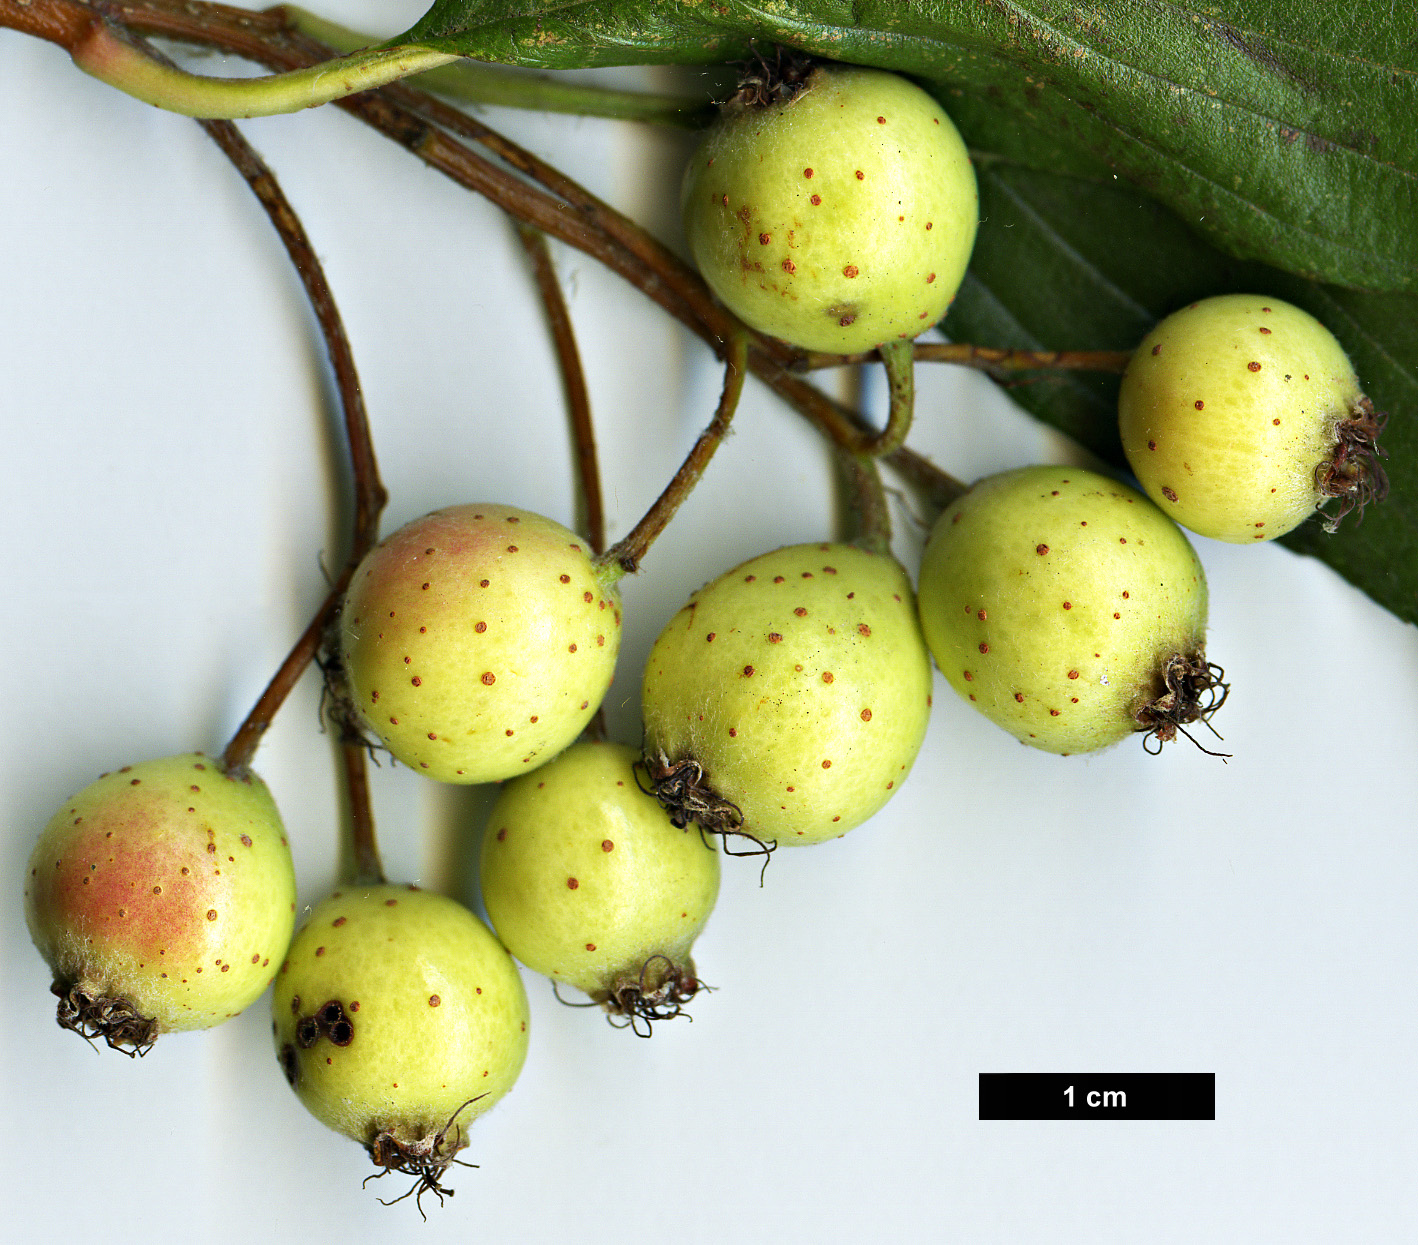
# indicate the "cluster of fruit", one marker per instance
pixel 784 704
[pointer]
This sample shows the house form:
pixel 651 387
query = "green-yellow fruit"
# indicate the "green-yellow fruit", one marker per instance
pixel 163 897
pixel 838 219
pixel 799 684
pixel 1067 609
pixel 1234 413
pixel 396 1012
pixel 478 642
pixel 588 882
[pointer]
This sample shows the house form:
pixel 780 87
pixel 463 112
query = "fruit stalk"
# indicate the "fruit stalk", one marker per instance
pixel 626 554
pixel 369 493
pixel 990 358
pixel 363 866
pixel 573 378
pixel 865 502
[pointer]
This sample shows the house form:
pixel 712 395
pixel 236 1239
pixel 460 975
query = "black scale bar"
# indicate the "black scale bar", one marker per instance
pixel 1097 1096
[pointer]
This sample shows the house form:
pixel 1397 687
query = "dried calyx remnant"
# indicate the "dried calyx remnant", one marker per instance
pixel 1354 474
pixel 772 79
pixel 683 793
pixel 1194 689
pixel 427 1160
pixel 116 1021
pixel 659 993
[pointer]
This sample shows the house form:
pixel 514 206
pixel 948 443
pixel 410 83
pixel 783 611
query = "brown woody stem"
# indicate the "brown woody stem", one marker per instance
pixel 625 556
pixel 573 378
pixel 364 868
pixel 990 358
pixel 369 491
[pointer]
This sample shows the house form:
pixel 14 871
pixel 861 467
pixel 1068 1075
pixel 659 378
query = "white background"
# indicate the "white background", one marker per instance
pixel 171 480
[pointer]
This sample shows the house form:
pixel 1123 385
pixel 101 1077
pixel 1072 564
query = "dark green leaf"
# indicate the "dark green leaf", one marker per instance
pixel 1283 131
pixel 1064 261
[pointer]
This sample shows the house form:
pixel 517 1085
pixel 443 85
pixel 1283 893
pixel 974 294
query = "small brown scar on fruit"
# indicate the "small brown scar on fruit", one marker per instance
pixel 1041 550
pixel 1199 404
pixel 1253 366
pixel 764 239
pixel 607 845
pixel 1168 493
pixel 1152 445
pixel 863 629
pixel 1276 422
pixel 572 884
pixel 774 638
pixel 827 765
pixel 1157 349
pixel 748 672
pixel 827 676
pixel 849 271
pixel 489 678
pixel 866 715
pixel 1019 696
pixel 984 648
pixel 789 267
